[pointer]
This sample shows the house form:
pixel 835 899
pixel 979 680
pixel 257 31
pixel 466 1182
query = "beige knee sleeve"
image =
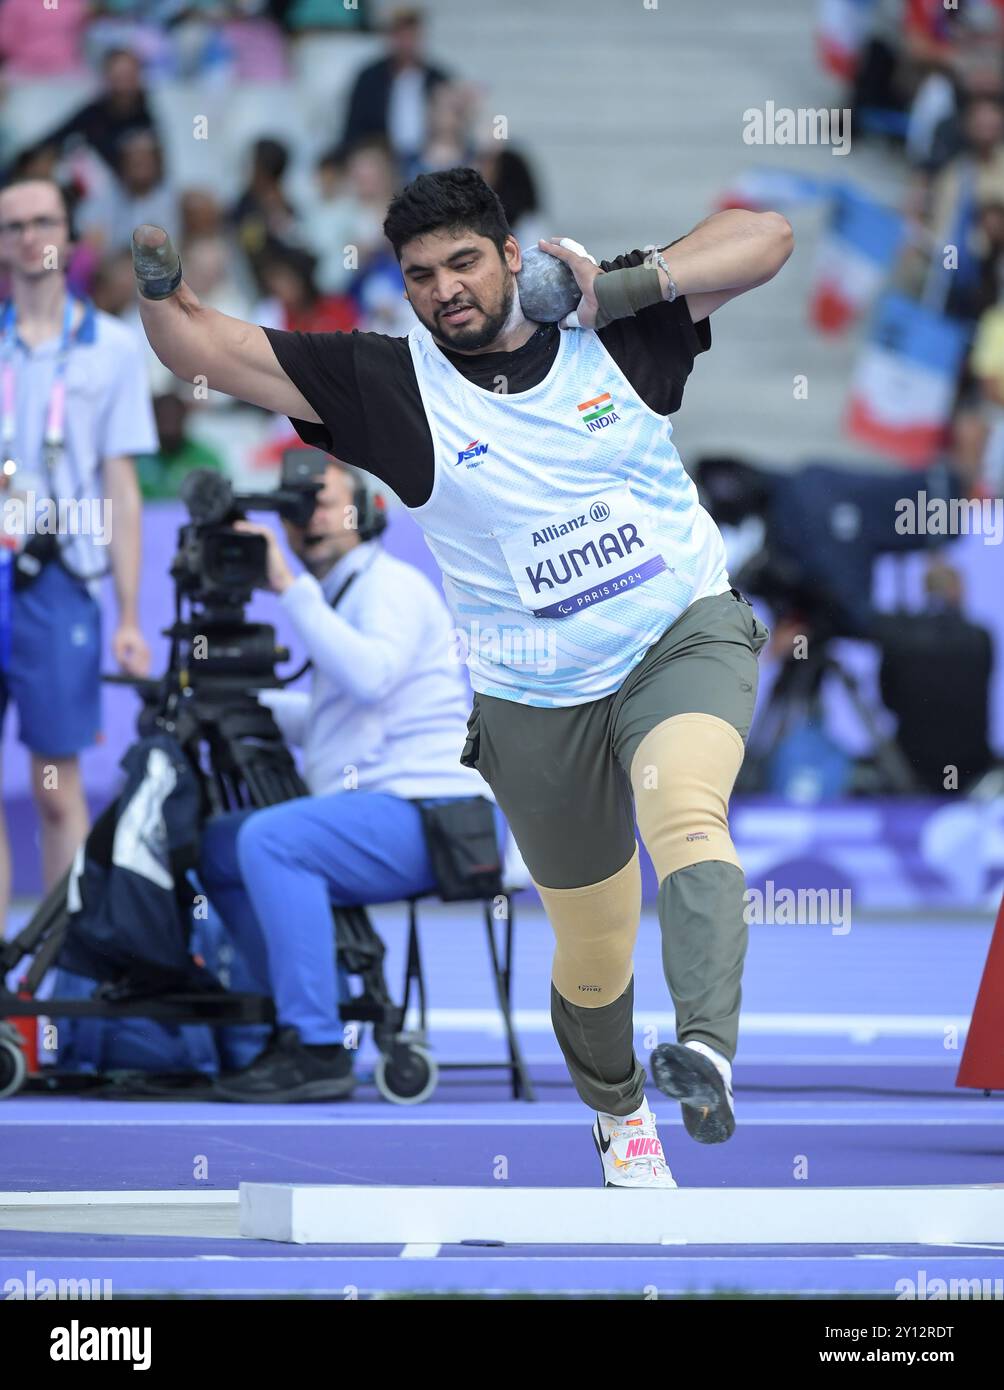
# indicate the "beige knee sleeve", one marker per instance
pixel 595 929
pixel 682 773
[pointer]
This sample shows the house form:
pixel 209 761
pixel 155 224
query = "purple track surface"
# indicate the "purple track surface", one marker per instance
pixel 845 1074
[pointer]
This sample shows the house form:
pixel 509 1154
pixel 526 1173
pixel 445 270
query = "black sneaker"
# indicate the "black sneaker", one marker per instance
pixel 287 1070
pixel 701 1080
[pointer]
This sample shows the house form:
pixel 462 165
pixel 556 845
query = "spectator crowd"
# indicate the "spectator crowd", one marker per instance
pixel 279 218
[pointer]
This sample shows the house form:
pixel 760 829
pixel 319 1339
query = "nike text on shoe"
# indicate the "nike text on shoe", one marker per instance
pixel 630 1152
pixel 701 1080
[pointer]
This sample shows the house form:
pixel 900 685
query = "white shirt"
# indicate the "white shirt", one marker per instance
pixel 406 111
pixel 388 706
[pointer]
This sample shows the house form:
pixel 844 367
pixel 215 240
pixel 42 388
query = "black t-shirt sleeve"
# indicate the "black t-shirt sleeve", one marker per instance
pixel 656 348
pixel 363 387
pixel 322 368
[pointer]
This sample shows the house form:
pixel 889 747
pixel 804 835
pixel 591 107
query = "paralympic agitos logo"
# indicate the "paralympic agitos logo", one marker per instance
pixel 474 450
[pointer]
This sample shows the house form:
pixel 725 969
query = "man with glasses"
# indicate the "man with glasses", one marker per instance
pixel 74 409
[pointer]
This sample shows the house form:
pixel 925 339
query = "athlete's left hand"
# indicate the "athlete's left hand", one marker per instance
pixel 130 649
pixel 584 268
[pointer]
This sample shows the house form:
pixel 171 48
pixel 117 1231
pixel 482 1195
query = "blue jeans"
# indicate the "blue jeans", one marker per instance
pixel 274 875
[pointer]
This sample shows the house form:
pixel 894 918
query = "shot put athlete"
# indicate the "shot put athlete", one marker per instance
pixel 613 665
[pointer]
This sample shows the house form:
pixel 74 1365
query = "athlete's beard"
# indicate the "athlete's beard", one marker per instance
pixel 471 338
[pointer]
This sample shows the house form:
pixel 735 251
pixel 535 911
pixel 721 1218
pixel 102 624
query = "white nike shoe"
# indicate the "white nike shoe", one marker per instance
pixel 701 1080
pixel 630 1152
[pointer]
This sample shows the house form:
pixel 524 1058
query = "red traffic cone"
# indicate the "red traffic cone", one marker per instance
pixel 982 1064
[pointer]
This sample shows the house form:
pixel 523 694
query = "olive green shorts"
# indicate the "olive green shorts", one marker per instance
pixel 562 776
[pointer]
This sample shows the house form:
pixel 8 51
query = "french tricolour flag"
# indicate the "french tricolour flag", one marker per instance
pixel 904 385
pixel 855 255
pixel 771 189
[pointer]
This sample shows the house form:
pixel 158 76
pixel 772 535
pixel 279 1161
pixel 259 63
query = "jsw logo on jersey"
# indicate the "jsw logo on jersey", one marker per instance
pixel 474 450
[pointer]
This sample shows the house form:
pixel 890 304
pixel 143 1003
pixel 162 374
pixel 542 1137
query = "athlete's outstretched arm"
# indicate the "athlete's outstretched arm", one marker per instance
pixel 193 340
pixel 724 256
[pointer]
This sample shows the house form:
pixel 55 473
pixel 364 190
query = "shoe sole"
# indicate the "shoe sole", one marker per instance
pixel 310 1090
pixel 619 1185
pixel 697 1084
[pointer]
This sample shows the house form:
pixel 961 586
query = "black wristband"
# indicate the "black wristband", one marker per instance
pixel 621 293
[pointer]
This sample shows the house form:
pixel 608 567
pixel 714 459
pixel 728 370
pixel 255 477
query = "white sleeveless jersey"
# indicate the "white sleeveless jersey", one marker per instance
pixel 567 530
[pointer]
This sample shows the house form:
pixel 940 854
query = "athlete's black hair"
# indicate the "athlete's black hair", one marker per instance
pixel 452 200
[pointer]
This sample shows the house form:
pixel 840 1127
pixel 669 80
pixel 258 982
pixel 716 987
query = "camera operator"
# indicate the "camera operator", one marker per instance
pixel 381 728
pixel 75 408
pixel 821 529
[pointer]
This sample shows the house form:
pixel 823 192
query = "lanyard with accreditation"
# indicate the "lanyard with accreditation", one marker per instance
pixel 42 546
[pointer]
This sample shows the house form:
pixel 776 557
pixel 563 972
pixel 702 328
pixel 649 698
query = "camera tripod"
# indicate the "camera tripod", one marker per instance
pixel 797 692
pixel 234 745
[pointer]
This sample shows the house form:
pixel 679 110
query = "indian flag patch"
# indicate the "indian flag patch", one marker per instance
pixel 598 413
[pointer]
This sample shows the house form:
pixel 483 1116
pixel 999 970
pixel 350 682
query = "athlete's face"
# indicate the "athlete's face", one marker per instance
pixel 459 286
